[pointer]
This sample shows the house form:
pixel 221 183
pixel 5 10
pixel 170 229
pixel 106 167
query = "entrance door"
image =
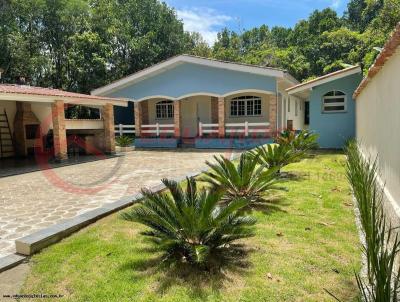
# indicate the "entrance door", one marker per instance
pixel 194 110
pixel 189 118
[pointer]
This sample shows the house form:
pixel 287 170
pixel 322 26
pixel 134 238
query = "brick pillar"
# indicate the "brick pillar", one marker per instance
pixel 177 118
pixel 109 132
pixel 138 118
pixel 59 132
pixel 221 117
pixel 272 113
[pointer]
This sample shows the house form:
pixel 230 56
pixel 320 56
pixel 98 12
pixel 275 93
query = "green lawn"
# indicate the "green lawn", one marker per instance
pixel 306 241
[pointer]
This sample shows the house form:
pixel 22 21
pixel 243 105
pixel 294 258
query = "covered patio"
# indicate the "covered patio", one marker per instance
pixel 34 125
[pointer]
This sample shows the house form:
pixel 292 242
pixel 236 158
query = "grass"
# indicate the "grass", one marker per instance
pixel 306 241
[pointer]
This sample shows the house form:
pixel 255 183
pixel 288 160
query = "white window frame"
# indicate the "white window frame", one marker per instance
pixel 246 99
pixel 168 110
pixel 334 96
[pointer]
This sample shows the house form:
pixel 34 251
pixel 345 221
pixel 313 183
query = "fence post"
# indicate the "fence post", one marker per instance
pixel 121 131
pixel 158 129
pixel 200 129
pixel 246 128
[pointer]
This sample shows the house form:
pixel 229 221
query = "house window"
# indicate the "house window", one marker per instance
pixel 334 101
pixel 165 110
pixel 246 106
pixel 288 106
pixel 296 108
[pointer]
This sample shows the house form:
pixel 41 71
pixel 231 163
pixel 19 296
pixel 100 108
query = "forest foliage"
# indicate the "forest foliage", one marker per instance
pixel 78 45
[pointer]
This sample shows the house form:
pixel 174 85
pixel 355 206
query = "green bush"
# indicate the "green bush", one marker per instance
pixel 303 141
pixel 189 225
pixel 381 242
pixel 277 156
pixel 124 141
pixel 246 180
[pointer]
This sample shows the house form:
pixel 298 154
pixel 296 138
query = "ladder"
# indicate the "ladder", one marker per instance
pixel 6 139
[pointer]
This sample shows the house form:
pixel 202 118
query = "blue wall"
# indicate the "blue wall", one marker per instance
pixel 188 78
pixel 334 128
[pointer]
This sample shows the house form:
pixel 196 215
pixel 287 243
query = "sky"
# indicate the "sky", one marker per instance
pixel 210 16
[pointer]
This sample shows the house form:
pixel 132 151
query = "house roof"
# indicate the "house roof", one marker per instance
pixel 388 50
pixel 324 79
pixel 174 61
pixel 12 92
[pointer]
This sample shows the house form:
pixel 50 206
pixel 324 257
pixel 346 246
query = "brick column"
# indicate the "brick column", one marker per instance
pixel 177 118
pixel 138 118
pixel 109 133
pixel 59 132
pixel 221 117
pixel 272 113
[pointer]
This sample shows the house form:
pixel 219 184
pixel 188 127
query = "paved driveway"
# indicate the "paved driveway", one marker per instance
pixel 33 201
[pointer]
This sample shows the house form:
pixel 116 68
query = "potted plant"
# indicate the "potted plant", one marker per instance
pixel 124 143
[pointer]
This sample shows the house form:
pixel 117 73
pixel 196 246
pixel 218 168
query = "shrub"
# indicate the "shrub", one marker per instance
pixel 277 156
pixel 190 225
pixel 303 141
pixel 381 243
pixel 247 179
pixel 124 141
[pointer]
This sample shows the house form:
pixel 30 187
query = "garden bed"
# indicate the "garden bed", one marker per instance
pixel 306 242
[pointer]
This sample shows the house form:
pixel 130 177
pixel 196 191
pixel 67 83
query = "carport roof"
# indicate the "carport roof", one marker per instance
pixel 10 92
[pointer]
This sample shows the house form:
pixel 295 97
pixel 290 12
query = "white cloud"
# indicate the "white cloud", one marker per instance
pixel 206 21
pixel 336 4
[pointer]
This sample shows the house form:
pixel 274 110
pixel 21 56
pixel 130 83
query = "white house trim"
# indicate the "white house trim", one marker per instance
pixel 158 68
pixel 324 79
pixel 185 96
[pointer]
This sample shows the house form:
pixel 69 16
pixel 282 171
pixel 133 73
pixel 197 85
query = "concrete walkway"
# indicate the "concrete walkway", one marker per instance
pixel 33 201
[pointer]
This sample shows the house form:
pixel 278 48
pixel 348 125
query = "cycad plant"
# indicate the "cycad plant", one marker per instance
pixel 123 141
pixel 277 156
pixel 191 225
pixel 302 141
pixel 247 180
pixel 382 244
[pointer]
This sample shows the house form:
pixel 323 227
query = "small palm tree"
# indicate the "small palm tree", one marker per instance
pixel 191 225
pixel 277 156
pixel 303 141
pixel 247 179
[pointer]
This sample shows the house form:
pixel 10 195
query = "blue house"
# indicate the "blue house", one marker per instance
pixel 331 107
pixel 207 103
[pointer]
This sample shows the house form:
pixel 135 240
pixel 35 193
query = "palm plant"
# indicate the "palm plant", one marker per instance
pixel 381 243
pixel 190 225
pixel 277 156
pixel 303 141
pixel 247 180
pixel 123 141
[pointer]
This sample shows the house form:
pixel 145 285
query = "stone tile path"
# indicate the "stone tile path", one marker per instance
pixel 33 201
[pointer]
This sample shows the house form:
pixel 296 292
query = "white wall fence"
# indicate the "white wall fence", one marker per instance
pixel 245 128
pixel 156 129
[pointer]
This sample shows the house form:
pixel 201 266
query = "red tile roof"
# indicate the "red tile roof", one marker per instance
pixel 32 90
pixel 388 50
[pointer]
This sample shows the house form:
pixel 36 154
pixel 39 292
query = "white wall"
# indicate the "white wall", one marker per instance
pixel 378 124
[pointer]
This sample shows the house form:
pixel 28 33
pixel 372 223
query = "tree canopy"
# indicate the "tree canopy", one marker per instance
pixel 78 45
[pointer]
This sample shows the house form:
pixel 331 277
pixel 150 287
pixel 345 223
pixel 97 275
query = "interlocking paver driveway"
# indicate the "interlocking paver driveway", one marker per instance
pixel 33 201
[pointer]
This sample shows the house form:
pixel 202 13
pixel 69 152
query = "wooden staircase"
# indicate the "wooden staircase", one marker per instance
pixel 6 139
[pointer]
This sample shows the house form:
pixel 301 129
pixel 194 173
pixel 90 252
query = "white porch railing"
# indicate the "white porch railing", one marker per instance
pixel 247 128
pixel 124 129
pixel 207 128
pixel 157 129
